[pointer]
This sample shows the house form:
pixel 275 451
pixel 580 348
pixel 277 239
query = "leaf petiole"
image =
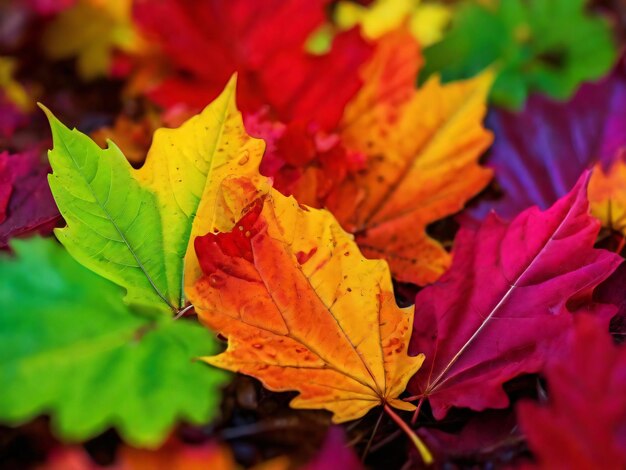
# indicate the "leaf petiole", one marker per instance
pixel 425 453
pixel 417 411
pixel 182 312
pixel 371 439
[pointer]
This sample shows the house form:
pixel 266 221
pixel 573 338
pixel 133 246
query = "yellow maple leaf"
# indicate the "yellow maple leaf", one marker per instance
pixel 426 20
pixel 303 309
pixel 90 31
pixel 607 194
pixel 184 167
pixel 13 90
pixel 422 148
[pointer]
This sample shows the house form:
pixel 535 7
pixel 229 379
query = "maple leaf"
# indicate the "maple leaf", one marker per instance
pixel 173 455
pixel 581 426
pixel 12 89
pixel 15 102
pixel 264 43
pixel 134 226
pixel 539 154
pixel 506 302
pixel 6 185
pixel 177 455
pixel 607 194
pixel 71 348
pixel 417 143
pixel 133 137
pixel 11 117
pixel 291 98
pixel 49 7
pixel 91 30
pixel 612 292
pixel 426 21
pixel 308 166
pixel 295 327
pixel 484 437
pixel 26 204
pixel 538 45
pixel 335 453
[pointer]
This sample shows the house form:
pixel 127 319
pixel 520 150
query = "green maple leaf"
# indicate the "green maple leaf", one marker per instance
pixel 546 46
pixel 70 347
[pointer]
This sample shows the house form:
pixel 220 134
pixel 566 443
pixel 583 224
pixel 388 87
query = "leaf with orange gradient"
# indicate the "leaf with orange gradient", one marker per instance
pixel 607 194
pixel 301 307
pixel 133 137
pixel 173 455
pixel 176 455
pixel 422 147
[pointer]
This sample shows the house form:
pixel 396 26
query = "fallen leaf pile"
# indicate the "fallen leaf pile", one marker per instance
pixel 312 234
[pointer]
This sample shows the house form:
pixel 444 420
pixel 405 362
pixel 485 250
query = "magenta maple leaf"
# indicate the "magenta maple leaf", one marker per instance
pixel 484 434
pixel 334 453
pixel 507 302
pixel 613 291
pixel 582 426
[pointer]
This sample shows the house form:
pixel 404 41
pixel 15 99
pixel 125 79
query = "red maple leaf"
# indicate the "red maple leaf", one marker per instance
pixel 582 426
pixel 26 204
pixel 291 98
pixel 264 42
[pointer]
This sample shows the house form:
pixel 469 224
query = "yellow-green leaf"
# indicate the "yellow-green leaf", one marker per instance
pixel 133 226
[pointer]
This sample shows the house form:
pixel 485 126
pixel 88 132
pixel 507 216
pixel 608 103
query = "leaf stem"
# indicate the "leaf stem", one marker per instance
pixel 427 457
pixel 182 312
pixel 620 246
pixel 417 411
pixel 371 439
pixel 412 398
pixel 383 442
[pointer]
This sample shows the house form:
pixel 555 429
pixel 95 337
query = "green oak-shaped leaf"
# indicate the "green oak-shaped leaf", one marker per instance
pixel 545 46
pixel 71 348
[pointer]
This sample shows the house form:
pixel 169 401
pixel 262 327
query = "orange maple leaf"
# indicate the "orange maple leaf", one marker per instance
pixel 132 136
pixel 303 309
pixel 607 194
pixel 176 455
pixel 173 455
pixel 422 148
